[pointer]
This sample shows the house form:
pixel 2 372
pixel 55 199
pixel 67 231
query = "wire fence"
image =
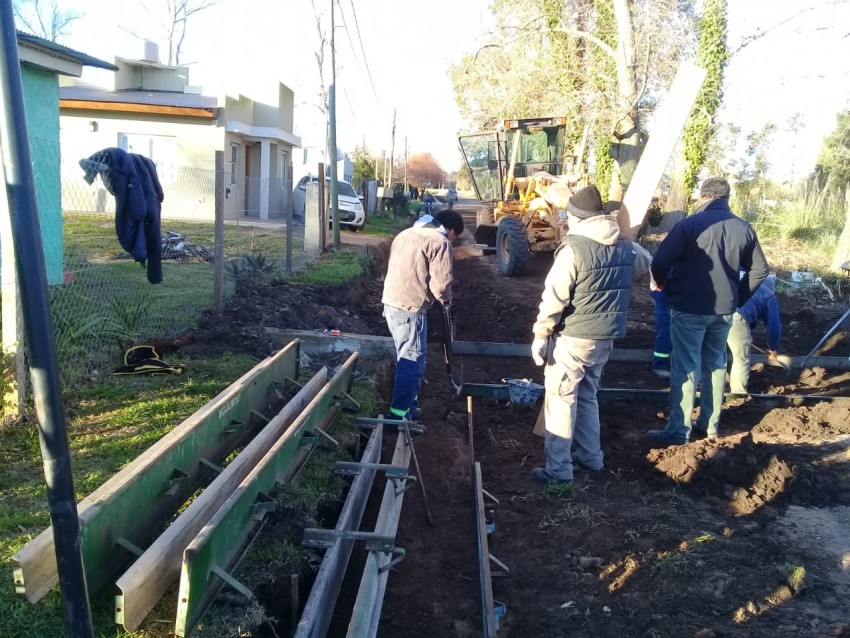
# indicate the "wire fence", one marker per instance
pixel 100 296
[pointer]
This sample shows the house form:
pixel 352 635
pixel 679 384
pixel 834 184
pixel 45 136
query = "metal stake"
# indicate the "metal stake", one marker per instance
pixel 418 474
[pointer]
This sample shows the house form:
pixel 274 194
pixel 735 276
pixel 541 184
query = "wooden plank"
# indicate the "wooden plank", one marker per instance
pixel 143 584
pixel 669 120
pixel 134 502
pixel 128 107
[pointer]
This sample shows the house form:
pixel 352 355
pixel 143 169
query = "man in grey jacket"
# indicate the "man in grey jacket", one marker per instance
pixel 419 271
pixel 584 307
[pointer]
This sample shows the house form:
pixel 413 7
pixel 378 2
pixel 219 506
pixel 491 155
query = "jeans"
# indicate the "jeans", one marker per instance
pixel 572 375
pixel 409 331
pixel 663 344
pixel 699 344
pixel 739 342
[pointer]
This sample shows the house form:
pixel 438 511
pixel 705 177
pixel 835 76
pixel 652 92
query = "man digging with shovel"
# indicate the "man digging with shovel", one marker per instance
pixel 419 271
pixel 584 307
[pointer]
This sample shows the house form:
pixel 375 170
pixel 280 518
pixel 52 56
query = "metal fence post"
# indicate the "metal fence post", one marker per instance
pixel 289 236
pixel 218 263
pixel 38 329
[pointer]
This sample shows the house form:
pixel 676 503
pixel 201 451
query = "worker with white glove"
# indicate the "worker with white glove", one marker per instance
pixel 582 310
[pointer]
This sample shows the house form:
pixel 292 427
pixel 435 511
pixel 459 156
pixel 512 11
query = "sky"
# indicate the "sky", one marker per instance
pixel 396 56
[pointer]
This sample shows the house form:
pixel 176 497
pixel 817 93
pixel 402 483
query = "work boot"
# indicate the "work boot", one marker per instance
pixel 540 476
pixel 703 432
pixel 661 367
pixel 415 412
pixel 663 438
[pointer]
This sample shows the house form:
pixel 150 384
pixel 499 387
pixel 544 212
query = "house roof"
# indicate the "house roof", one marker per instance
pixel 61 52
pixel 153 98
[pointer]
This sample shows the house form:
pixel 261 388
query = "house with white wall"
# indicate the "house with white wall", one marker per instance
pixel 154 110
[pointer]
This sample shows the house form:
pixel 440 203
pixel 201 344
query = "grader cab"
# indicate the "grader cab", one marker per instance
pixel 523 174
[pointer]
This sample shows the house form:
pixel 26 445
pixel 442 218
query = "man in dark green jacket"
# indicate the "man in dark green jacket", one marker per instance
pixel 584 307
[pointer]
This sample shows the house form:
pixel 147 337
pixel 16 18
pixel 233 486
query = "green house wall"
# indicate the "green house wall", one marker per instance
pixel 41 102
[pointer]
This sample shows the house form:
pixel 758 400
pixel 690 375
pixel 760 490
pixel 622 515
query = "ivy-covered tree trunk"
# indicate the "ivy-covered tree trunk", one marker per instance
pixel 712 55
pixel 602 69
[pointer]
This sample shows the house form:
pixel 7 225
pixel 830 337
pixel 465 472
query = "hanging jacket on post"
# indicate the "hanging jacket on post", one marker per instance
pixel 138 197
pixel 153 207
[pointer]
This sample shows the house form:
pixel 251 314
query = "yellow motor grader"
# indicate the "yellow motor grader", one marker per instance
pixel 523 174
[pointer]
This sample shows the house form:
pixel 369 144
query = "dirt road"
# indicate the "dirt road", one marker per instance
pixel 742 536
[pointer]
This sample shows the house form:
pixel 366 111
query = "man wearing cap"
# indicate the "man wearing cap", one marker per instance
pixel 709 264
pixel 419 271
pixel 582 310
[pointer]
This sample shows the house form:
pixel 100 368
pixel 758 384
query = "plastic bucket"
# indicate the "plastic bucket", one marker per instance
pixel 524 391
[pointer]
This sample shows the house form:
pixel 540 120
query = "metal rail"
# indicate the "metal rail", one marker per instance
pixel 370 596
pixel 490 611
pixel 144 583
pixel 209 560
pixel 126 510
pixel 317 613
pixel 661 397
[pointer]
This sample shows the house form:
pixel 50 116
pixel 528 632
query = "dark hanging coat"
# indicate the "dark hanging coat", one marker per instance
pixel 133 181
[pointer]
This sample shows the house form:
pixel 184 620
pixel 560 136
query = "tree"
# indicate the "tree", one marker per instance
pixel 758 148
pixel 539 62
pixel 44 18
pixel 174 21
pixel 179 12
pixel 712 55
pixel 422 168
pixel 833 165
pixel 364 166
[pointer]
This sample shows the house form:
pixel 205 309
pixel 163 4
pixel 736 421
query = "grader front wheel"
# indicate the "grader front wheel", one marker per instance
pixel 512 247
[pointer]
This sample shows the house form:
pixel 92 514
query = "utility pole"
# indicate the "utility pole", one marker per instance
pixel 333 152
pixel 406 187
pixel 392 151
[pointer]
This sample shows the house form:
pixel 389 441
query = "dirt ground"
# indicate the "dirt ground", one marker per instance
pixel 742 536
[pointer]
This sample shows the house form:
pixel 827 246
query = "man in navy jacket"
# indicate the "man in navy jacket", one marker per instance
pixel 699 265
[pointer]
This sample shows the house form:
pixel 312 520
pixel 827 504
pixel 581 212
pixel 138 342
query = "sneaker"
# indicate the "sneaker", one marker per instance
pixel 661 373
pixel 664 438
pixel 540 476
pixel 415 426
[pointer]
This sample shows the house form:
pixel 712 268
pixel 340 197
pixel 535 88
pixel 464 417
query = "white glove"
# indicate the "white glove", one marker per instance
pixel 538 350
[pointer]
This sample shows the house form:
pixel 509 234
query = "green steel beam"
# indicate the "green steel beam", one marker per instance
pixel 142 496
pixel 220 542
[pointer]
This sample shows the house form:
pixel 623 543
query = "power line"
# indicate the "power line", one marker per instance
pixel 363 51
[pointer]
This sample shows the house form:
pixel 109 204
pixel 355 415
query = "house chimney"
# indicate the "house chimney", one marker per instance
pixel 151 52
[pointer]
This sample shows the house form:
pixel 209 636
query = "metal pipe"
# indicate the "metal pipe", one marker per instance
pixel 826 336
pixel 38 332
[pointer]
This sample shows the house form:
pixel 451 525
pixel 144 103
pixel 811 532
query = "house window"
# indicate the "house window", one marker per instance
pixel 234 162
pixel 282 168
pixel 162 149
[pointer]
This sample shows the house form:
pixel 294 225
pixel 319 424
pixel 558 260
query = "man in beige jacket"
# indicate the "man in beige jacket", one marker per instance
pixel 583 309
pixel 419 271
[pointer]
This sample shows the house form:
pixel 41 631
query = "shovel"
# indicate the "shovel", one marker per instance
pixel 447 347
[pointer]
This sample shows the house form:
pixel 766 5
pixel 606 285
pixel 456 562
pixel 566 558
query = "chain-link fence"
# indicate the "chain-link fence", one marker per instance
pixel 100 295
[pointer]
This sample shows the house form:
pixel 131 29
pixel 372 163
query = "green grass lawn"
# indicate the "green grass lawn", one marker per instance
pixel 112 422
pixel 335 269
pixel 386 225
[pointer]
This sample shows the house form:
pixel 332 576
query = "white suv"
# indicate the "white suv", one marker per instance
pixel 351 212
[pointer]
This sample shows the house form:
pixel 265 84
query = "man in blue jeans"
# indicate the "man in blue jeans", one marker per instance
pixel 698 265
pixel 419 271
pixel 663 345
